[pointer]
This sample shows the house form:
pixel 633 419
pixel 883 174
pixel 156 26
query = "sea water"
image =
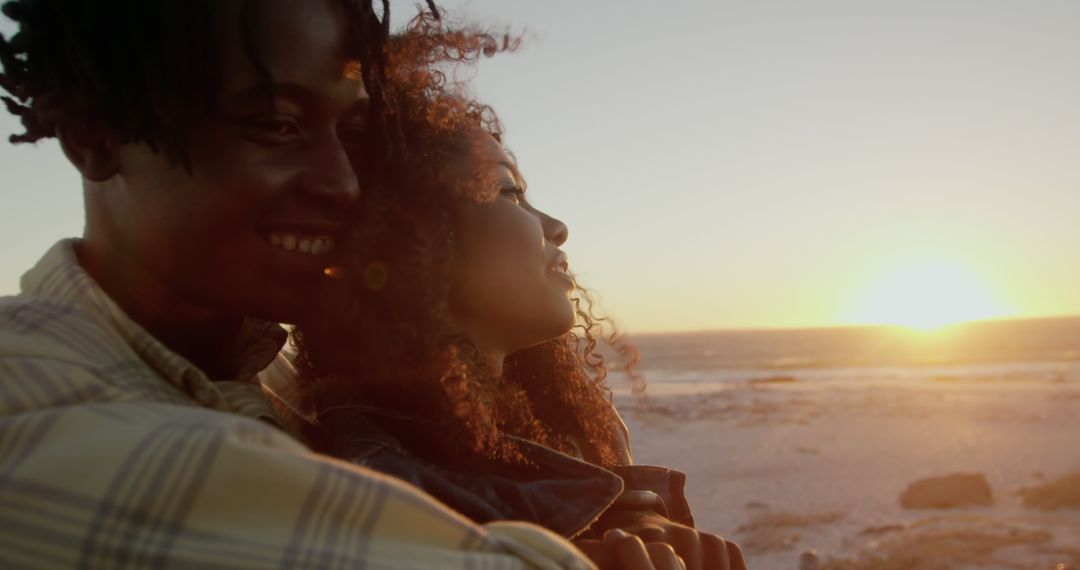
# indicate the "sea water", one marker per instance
pixel 1039 350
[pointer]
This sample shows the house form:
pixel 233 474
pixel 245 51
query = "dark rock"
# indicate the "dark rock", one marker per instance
pixel 877 530
pixel 809 560
pixel 772 380
pixel 956 490
pixel 1063 492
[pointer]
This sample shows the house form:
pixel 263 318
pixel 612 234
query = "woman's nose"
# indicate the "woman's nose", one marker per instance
pixel 555 230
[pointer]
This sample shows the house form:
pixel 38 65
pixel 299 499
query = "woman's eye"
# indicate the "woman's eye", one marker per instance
pixel 514 193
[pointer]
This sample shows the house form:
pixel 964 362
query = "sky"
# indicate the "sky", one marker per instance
pixel 735 164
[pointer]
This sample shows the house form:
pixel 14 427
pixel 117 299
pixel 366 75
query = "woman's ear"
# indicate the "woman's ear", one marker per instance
pixel 91 150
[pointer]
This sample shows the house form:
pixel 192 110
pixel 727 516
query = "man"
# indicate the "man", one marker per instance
pixel 211 136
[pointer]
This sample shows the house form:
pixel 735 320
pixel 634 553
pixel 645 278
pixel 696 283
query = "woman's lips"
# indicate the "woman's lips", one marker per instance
pixel 559 263
pixel 561 267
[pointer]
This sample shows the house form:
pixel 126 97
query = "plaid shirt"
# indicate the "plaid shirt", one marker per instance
pixel 116 452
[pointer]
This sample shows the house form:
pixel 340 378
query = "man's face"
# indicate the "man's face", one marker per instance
pixel 250 228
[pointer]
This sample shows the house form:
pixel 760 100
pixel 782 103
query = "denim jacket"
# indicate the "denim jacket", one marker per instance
pixel 562 493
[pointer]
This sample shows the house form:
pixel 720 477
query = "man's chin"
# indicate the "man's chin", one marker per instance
pixel 281 302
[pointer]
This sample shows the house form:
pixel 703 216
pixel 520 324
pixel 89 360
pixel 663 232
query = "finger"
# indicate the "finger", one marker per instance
pixel 615 535
pixel 663 556
pixel 599 552
pixel 715 553
pixel 649 532
pixel 735 554
pixel 630 552
pixel 652 534
pixel 687 544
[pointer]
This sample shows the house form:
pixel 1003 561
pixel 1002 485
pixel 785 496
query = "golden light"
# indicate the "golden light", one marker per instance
pixel 927 295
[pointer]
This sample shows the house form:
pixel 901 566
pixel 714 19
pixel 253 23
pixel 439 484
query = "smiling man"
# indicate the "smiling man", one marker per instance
pixel 212 139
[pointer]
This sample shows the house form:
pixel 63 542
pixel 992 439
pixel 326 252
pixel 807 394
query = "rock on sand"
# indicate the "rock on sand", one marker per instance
pixel 1063 492
pixel 949 491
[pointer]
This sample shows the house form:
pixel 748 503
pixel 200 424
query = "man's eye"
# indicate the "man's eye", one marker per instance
pixel 281 127
pixel 353 134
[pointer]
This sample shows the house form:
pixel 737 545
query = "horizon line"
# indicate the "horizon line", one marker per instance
pixel 847 326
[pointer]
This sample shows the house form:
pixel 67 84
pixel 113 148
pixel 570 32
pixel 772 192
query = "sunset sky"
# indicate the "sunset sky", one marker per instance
pixel 728 164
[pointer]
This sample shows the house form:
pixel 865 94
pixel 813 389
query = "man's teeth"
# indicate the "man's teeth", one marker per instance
pixel 312 245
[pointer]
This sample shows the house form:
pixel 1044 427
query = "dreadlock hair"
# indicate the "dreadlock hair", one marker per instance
pixel 383 339
pixel 142 69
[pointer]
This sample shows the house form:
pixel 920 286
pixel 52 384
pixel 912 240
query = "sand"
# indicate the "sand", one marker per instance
pixel 784 467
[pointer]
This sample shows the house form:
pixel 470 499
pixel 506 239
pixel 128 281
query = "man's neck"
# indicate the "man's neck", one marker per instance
pixel 204 337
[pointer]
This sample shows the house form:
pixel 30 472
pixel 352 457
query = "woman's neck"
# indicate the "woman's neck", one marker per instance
pixel 490 350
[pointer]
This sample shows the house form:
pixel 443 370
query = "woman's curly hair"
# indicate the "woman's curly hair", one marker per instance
pixel 383 338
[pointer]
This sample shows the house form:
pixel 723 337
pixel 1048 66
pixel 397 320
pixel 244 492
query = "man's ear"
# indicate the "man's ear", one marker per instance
pixel 91 150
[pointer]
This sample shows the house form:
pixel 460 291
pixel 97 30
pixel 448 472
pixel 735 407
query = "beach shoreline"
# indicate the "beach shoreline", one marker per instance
pixel 783 466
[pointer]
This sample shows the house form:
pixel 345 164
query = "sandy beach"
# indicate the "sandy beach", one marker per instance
pixel 785 466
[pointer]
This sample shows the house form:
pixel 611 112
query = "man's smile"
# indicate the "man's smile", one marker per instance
pixel 302 243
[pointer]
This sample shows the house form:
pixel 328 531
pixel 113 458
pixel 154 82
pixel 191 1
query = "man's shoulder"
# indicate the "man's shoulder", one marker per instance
pixel 54 353
pixel 82 481
pixel 28 313
pixel 44 327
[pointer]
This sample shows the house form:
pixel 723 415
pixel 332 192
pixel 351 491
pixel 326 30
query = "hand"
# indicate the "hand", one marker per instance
pixel 699 550
pixel 620 550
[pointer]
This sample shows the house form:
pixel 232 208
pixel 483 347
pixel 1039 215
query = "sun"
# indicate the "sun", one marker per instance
pixel 926 296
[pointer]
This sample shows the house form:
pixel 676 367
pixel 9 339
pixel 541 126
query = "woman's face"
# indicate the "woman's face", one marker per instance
pixel 510 287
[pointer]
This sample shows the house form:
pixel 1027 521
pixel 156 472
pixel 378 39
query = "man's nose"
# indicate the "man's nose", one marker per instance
pixel 332 177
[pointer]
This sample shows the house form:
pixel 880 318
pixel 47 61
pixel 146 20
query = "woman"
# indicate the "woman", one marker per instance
pixel 458 352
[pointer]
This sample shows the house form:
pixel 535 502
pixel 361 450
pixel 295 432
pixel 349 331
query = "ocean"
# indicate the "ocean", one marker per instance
pixel 1042 350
